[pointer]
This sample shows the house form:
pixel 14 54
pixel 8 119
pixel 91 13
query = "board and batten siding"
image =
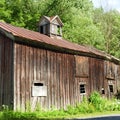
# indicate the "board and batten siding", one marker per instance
pixel 6 70
pixel 81 76
pixel 55 70
pixel 96 72
pixel 62 74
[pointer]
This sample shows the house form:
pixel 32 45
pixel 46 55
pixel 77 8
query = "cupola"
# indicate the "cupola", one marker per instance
pixel 51 26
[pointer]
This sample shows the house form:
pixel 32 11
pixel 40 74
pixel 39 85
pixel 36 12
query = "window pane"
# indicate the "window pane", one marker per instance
pixel 82 88
pixel 111 88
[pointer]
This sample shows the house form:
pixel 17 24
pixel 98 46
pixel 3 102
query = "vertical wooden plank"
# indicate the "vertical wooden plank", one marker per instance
pixel 38 64
pixel 68 82
pixel 72 80
pixel 42 74
pixel 45 75
pixel 53 85
pixel 48 81
pixel 18 74
pixel 58 78
pixel 38 73
pixel 73 77
pixel 27 78
pixel 35 61
pixel 31 76
pixel 56 81
pixel 23 77
pixel 52 80
pixel 15 77
pixel 76 91
pixel 10 73
pixel 53 72
pixel 90 73
pixel 61 102
pixel 2 71
pixel 35 73
pixel 6 73
pixel 4 77
pixel 63 79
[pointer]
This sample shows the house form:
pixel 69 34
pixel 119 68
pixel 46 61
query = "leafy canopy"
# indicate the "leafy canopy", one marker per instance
pixel 83 24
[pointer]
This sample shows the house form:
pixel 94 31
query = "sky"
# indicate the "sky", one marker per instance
pixel 107 4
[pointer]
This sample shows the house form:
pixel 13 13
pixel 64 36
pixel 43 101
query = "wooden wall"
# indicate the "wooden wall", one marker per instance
pixel 55 70
pixel 96 74
pixel 81 76
pixel 62 74
pixel 111 77
pixel 6 70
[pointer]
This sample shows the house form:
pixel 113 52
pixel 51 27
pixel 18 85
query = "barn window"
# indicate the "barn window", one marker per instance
pixel 41 29
pixel 39 89
pixel 58 30
pixel 82 88
pixel 111 88
pixel 38 84
pixel 103 91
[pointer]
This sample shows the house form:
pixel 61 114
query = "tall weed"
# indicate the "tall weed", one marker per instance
pixel 95 103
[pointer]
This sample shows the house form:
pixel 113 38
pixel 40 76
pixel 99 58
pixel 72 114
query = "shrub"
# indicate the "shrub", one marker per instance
pixel 93 104
pixel 71 110
pixel 97 101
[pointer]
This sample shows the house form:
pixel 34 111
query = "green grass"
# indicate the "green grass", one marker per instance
pixel 94 106
pixel 36 116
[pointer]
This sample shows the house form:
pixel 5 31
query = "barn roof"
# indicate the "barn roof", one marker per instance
pixel 56 44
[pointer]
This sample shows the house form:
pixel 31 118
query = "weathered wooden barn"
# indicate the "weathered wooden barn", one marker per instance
pixel 47 70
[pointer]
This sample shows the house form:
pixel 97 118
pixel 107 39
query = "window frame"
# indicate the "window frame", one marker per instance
pixel 82 88
pixel 39 89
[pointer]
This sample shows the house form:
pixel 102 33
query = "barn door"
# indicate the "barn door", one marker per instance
pixel 110 78
pixel 96 75
pixel 81 77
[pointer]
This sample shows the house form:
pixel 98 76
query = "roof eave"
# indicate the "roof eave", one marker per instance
pixel 7 34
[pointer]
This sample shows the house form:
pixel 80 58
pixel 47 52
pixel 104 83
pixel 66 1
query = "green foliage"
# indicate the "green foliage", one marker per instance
pixel 83 24
pixel 10 115
pixel 108 23
pixel 85 107
pixel 95 103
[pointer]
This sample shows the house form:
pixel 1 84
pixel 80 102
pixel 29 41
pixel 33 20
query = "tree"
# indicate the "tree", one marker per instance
pixel 109 23
pixel 5 14
pixel 82 23
pixel 22 13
